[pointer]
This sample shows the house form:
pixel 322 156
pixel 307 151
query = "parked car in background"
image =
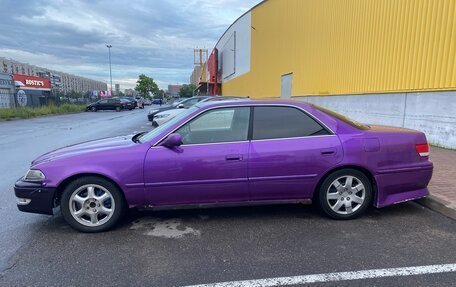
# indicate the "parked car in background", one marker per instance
pixel 128 104
pixel 186 103
pixel 147 102
pixel 133 101
pixel 140 102
pixel 107 104
pixel 163 117
pixel 157 101
pixel 229 153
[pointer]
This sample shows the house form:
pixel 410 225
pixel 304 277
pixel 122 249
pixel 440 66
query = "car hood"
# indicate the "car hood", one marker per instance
pixel 85 147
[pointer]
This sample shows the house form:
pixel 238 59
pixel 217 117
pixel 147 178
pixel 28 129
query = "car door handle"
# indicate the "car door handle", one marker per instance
pixel 328 151
pixel 234 157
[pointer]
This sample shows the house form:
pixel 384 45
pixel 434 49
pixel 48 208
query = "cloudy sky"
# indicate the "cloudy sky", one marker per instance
pixel 154 37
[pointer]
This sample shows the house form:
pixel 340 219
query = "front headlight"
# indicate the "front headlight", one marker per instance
pixel 34 175
pixel 161 116
pixel 153 112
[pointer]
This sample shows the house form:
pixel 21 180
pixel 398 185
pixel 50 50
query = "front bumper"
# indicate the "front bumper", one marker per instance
pixel 38 198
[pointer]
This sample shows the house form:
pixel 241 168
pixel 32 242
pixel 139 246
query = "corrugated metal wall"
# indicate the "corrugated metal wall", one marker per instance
pixel 350 47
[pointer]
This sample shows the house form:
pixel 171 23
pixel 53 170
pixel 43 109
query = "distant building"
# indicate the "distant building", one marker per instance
pixel 31 91
pixel 117 88
pixel 6 90
pixel 195 78
pixel 60 81
pixel 130 92
pixel 173 91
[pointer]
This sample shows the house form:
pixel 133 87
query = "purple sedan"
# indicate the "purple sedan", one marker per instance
pixel 232 153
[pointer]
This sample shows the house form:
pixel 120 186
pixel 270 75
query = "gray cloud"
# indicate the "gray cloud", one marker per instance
pixel 152 37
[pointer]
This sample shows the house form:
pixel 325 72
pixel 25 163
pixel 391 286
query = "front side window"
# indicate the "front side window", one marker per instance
pixel 217 126
pixel 283 122
pixel 190 103
pixel 103 102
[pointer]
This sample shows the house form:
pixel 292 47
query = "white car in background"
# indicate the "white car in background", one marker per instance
pixel 165 116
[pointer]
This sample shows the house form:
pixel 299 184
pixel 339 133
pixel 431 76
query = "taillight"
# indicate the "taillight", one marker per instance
pixel 422 149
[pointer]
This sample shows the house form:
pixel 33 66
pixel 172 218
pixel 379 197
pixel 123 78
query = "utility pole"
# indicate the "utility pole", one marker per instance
pixel 110 71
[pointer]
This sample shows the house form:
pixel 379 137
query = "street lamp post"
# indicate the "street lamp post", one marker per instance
pixel 110 71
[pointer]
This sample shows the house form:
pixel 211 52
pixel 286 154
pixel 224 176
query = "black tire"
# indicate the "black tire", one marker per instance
pixel 93 109
pixel 343 174
pixel 118 109
pixel 117 197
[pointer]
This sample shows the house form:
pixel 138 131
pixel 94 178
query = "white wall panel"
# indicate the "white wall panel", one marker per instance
pixel 237 38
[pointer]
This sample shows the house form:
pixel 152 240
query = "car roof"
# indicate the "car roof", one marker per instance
pixel 238 102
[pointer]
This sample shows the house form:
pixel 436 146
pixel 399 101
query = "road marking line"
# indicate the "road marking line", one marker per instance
pixel 338 276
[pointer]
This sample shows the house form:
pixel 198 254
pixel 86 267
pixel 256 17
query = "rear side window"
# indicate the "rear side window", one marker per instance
pixel 284 122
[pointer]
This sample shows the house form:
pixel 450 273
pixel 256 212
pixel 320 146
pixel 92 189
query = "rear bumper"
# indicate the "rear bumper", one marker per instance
pixel 35 197
pixel 403 184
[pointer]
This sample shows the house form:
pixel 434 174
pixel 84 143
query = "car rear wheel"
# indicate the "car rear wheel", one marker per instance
pixel 92 204
pixel 118 109
pixel 93 109
pixel 345 194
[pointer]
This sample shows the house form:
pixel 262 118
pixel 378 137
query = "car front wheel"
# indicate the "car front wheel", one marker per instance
pixel 92 204
pixel 118 109
pixel 345 194
pixel 93 109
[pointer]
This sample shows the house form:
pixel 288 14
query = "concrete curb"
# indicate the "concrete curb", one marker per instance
pixel 439 205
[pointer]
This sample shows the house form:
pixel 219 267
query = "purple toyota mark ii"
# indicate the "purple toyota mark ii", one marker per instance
pixel 232 153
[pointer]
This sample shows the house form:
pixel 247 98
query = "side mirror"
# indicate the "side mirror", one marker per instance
pixel 180 106
pixel 173 140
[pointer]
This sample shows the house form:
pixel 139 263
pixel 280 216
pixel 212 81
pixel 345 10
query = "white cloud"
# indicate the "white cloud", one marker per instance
pixel 151 37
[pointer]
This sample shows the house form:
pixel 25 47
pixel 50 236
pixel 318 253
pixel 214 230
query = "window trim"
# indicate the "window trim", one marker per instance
pixel 249 138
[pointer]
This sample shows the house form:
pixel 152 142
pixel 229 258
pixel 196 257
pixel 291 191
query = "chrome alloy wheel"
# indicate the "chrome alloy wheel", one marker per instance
pixel 346 194
pixel 91 205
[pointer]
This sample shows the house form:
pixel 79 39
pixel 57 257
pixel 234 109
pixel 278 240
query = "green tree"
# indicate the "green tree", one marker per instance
pixel 146 86
pixel 187 91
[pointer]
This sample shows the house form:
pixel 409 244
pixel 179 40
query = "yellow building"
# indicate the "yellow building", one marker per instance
pixel 379 61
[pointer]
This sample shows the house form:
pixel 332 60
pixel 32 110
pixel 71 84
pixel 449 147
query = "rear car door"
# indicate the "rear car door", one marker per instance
pixel 102 104
pixel 210 166
pixel 288 152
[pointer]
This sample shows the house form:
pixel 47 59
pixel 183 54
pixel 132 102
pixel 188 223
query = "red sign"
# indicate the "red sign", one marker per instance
pixel 212 65
pixel 31 82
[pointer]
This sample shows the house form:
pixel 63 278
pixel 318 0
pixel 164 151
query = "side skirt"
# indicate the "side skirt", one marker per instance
pixel 305 201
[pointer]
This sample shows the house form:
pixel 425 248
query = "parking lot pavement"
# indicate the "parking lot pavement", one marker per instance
pixel 188 247
pixel 443 183
pixel 21 141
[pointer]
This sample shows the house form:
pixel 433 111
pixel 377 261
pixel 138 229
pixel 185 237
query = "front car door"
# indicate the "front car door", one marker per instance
pixel 288 151
pixel 211 165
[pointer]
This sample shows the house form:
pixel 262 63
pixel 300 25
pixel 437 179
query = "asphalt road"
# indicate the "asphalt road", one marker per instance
pixel 187 247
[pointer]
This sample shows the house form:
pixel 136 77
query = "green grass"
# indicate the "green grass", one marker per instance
pixel 25 113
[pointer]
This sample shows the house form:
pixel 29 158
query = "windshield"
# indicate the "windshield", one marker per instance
pixel 153 133
pixel 349 121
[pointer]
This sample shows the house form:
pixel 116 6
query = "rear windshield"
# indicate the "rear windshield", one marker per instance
pixel 349 121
